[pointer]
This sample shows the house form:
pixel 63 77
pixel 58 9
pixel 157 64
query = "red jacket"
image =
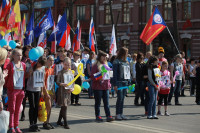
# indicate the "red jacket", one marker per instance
pixel 9 79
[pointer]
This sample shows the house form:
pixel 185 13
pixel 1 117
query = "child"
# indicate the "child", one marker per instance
pixel 63 98
pixel 164 87
pixel 48 90
pixel 101 88
pixel 152 87
pixel 35 84
pixel 15 82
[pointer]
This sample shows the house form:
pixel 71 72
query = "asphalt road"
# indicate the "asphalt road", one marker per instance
pixel 81 119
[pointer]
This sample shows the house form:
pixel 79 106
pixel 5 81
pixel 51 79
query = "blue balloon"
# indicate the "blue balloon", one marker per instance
pixel 6 99
pixel 86 85
pixel 41 50
pixel 34 54
pixel 3 42
pixel 12 44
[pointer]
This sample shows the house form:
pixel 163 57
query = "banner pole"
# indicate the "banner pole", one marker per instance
pixel 173 39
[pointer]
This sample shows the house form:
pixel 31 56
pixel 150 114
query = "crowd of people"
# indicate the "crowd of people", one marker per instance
pixel 155 79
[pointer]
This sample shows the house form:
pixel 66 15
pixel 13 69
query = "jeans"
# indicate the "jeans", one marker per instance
pixel 15 99
pixel 192 85
pixel 90 91
pixel 176 91
pixel 98 94
pixel 146 100
pixel 152 100
pixel 139 92
pixel 33 98
pixel 120 101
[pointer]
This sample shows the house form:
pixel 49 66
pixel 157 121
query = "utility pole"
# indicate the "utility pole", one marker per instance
pixel 175 25
pixel 111 13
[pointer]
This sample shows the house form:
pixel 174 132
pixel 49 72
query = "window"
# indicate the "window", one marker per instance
pixel 186 9
pixel 125 43
pixel 107 14
pixel 92 11
pixel 80 12
pixel 167 7
pixel 126 13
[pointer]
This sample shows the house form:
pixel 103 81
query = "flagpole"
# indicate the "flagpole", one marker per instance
pixel 173 39
pixel 96 42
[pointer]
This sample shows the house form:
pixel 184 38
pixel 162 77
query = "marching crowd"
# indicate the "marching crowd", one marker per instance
pixel 155 79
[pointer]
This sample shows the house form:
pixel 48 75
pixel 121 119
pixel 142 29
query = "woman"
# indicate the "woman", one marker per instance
pixel 152 87
pixel 101 88
pixel 191 68
pixel 9 50
pixel 121 77
pixel 3 55
pixel 89 64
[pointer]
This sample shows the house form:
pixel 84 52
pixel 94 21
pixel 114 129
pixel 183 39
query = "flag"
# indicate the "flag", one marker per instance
pixel 59 29
pixel 24 24
pixel 3 28
pixel 68 44
pixel 42 41
pixel 98 76
pixel 8 38
pixel 187 24
pixel 64 37
pixel 44 24
pixel 77 38
pixel 91 36
pixel 155 25
pixel 29 35
pixel 53 43
pixel 5 9
pixel 113 46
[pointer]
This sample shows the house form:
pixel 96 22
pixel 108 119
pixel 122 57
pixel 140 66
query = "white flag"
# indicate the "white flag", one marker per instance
pixel 113 46
pixel 42 41
pixel 68 43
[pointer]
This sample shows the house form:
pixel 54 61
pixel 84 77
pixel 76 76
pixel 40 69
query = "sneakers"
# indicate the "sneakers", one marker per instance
pixel 33 128
pixel 37 128
pixel 77 104
pixel 59 123
pixel 166 113
pixel 18 130
pixel 46 126
pixel 99 119
pixel 155 117
pixel 11 130
pixel 52 127
pixel 109 119
pixel 159 113
pixel 123 117
pixel 118 117
pixel 149 117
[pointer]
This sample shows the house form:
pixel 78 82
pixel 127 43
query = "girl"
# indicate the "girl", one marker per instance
pixel 152 87
pixel 48 90
pixel 3 55
pixel 28 63
pixel 164 88
pixel 121 77
pixel 101 88
pixel 89 64
pixel 191 69
pixel 75 62
pixel 63 93
pixel 34 89
pixel 15 83
pixel 9 50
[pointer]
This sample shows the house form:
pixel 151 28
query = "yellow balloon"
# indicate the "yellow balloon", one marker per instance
pixel 77 89
pixel 80 73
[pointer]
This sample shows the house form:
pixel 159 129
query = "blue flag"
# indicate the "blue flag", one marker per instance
pixel 45 23
pixel 29 35
pixel 59 29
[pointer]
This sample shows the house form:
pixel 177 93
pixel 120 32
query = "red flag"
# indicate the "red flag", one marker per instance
pixel 77 38
pixel 187 24
pixel 53 43
pixel 155 25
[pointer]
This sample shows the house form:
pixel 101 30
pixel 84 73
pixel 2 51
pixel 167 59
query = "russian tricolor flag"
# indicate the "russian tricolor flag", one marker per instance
pixel 91 36
pixel 77 38
pixel 98 76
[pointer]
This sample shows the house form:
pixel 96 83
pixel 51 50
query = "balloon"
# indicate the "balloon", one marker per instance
pixel 176 73
pixel 34 54
pixel 77 89
pixel 131 88
pixel 3 42
pixel 6 99
pixel 21 108
pixel 86 85
pixel 12 44
pixel 56 87
pixel 80 73
pixel 41 50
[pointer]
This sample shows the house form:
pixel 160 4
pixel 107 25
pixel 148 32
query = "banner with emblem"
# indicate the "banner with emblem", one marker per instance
pixel 68 78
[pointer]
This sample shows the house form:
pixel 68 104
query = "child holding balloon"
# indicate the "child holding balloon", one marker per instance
pixel 15 82
pixel 165 85
pixel 64 91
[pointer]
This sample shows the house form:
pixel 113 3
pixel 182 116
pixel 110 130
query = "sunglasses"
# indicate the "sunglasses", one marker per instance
pixel 9 50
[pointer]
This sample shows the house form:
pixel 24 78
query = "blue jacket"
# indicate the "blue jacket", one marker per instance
pixel 118 73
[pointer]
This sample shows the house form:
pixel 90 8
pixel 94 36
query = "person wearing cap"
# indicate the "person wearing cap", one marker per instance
pixel 101 88
pixel 161 54
pixel 176 66
pixel 75 62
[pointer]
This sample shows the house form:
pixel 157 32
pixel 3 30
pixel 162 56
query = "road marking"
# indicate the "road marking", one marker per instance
pixel 124 124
